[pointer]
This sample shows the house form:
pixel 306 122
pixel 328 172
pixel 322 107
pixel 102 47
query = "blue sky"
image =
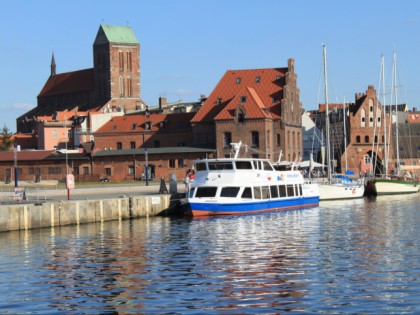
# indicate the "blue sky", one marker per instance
pixel 187 45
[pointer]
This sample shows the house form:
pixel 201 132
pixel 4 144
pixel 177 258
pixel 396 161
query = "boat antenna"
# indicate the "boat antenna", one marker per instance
pixel 236 147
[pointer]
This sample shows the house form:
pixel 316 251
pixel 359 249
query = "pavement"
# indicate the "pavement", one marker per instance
pixel 85 192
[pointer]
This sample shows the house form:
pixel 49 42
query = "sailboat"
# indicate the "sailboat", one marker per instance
pixel 338 186
pixel 400 182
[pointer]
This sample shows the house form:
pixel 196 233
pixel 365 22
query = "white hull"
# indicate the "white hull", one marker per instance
pixel 337 191
pixel 396 187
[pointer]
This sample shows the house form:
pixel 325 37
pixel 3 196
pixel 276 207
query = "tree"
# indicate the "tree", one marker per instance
pixel 5 139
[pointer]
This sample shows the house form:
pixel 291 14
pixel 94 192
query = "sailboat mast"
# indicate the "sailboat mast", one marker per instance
pixel 394 84
pixel 345 132
pixel 327 118
pixel 386 150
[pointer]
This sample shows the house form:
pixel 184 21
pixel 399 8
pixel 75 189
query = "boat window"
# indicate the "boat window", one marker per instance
pixel 200 166
pixel 206 192
pixel 247 193
pixel 229 192
pixel 290 190
pixel 274 191
pixel 282 189
pixel 267 166
pixel 265 190
pixel 257 192
pixel 220 166
pixel 243 165
pixel 257 165
pixel 300 190
pixel 191 192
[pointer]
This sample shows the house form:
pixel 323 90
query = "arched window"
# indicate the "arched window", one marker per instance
pixel 366 139
pixel 129 60
pixel 129 87
pixel 121 86
pixel 121 60
pixel 255 141
pixel 363 118
pixel 227 139
pixel 378 118
pixel 357 139
pixel 370 113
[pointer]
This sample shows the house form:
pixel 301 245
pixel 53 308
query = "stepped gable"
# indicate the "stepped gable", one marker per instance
pixel 125 124
pixel 262 85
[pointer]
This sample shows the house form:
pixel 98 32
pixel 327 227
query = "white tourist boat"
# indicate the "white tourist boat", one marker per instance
pixel 245 185
pixel 336 186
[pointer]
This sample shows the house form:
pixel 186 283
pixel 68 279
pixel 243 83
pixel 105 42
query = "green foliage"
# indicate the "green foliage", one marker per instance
pixel 5 139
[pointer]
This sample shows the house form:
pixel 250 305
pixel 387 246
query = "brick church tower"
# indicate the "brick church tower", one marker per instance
pixel 116 59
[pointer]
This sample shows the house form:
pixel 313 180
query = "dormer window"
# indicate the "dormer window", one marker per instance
pixel 133 127
pixel 278 77
pixel 147 125
pixel 243 99
pixel 163 124
pixel 257 79
pixel 238 80
pixel 114 127
pixel 219 100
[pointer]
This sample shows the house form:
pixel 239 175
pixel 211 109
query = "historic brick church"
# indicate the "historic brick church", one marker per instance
pixel 112 84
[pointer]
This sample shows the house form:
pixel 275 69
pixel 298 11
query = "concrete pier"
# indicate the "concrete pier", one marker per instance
pixel 48 213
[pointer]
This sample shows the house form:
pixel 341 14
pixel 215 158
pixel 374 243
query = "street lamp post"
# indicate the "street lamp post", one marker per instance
pixel 15 165
pixel 147 168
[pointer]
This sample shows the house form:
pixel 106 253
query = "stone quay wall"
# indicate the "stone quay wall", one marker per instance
pixel 59 213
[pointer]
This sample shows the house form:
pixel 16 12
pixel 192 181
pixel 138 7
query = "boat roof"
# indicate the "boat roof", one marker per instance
pixel 230 159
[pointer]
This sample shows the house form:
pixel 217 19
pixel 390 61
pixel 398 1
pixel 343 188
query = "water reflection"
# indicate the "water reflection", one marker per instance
pixel 355 256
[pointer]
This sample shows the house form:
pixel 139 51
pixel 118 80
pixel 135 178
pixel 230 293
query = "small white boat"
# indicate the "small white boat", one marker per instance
pixel 245 185
pixel 392 186
pixel 341 187
pixel 337 186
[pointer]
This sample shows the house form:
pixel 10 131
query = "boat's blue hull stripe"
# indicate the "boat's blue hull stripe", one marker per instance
pixel 254 206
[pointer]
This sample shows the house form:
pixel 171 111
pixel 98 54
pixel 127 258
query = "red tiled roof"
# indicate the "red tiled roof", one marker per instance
pixel 253 106
pixel 25 155
pixel 69 82
pixel 262 93
pixel 331 106
pixel 413 117
pixel 124 124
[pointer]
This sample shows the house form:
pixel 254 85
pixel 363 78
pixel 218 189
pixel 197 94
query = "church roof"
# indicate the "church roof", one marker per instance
pixel 69 82
pixel 115 34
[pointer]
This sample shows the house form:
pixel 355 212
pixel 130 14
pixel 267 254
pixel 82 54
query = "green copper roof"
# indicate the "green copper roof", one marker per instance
pixel 115 34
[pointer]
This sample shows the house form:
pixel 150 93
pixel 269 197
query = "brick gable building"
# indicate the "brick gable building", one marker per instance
pixel 259 107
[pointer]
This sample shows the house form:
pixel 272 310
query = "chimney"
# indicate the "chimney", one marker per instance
pixel 162 102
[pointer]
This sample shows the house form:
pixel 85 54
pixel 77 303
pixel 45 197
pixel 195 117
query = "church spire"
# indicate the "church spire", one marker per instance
pixel 53 73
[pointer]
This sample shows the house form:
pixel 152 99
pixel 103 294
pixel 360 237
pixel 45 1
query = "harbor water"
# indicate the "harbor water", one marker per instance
pixel 343 257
